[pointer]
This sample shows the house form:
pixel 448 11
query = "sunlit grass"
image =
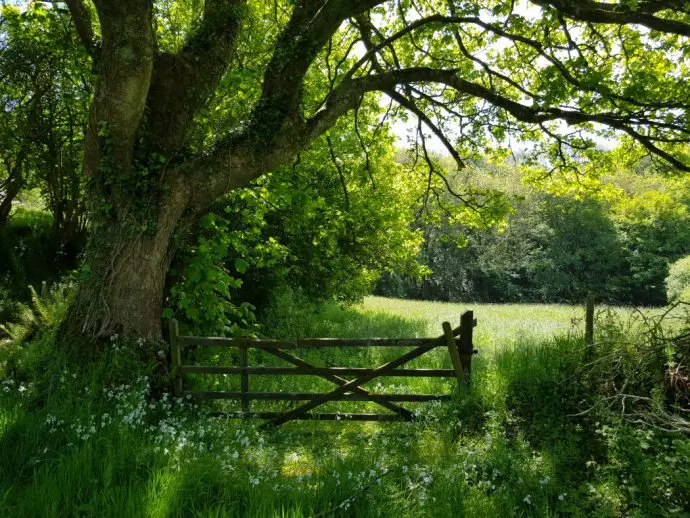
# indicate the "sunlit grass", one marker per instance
pixel 499 325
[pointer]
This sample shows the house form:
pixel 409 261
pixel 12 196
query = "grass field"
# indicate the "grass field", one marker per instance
pixel 499 324
pixel 91 440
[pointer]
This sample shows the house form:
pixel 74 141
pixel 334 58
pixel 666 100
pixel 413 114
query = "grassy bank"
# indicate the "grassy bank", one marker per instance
pixel 97 441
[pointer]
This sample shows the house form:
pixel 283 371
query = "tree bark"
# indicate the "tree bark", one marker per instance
pixel 124 274
pixel 12 189
pixel 124 291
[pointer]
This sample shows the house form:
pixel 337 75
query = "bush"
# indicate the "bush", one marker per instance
pixel 30 254
pixel 654 228
pixel 678 280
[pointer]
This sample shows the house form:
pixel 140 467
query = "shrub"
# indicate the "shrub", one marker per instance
pixel 641 369
pixel 30 254
pixel 678 280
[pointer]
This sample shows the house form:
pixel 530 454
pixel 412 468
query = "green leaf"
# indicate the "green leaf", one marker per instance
pixel 241 265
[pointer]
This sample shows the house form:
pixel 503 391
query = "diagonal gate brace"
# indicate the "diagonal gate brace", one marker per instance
pixel 350 386
pixel 405 413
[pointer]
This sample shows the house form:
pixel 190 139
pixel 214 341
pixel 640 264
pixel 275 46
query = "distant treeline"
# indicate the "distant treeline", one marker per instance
pixel 616 241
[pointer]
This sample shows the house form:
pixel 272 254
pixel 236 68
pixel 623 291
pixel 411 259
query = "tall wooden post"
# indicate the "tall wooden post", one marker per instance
pixel 466 344
pixel 454 355
pixel 244 378
pixel 589 323
pixel 176 356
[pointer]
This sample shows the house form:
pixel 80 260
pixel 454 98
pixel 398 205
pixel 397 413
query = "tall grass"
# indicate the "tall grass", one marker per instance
pixel 78 440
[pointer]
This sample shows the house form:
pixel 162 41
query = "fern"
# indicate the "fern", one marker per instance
pixel 22 328
pixel 46 310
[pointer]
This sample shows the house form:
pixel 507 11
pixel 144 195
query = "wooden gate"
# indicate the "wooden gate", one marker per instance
pixel 349 380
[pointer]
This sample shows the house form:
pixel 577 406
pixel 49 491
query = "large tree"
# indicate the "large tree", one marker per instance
pixel 469 71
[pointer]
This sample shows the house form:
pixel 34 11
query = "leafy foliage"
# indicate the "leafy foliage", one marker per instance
pixel 207 277
pixel 655 230
pixel 30 255
pixel 678 280
pixel 615 239
pixel 45 97
pixel 326 227
pixel 45 311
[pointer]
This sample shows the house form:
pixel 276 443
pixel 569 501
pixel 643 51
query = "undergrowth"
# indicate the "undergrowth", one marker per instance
pixel 530 438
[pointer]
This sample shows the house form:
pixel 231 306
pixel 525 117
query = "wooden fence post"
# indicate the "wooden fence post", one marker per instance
pixel 589 323
pixel 466 343
pixel 244 377
pixel 454 355
pixel 176 356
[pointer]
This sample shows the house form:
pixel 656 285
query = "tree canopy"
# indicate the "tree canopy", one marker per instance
pixel 554 71
pixel 193 99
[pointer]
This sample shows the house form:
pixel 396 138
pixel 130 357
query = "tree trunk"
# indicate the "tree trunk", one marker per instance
pixel 124 276
pixel 11 191
pixel 123 293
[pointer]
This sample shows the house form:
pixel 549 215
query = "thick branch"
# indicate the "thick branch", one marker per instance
pixel 622 13
pixel 183 82
pixel 311 25
pixel 409 105
pixel 500 30
pixel 125 73
pixel 346 96
pixel 82 23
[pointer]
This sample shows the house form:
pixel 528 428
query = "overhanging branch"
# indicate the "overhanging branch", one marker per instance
pixel 346 95
pixel 626 13
pixel 408 104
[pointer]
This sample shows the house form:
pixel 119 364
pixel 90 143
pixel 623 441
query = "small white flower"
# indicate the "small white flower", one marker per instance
pixel 561 497
pixel 527 500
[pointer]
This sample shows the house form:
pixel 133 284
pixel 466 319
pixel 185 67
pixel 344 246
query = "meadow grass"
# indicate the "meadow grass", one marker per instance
pixel 499 324
pixel 80 439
